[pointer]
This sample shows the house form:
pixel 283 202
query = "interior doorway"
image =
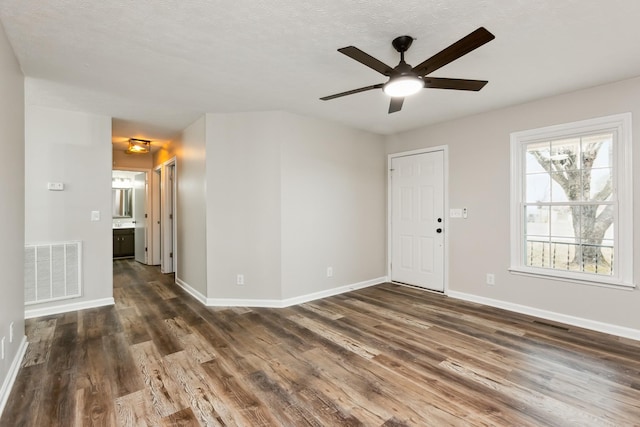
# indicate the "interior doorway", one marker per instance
pixel 417 225
pixel 131 196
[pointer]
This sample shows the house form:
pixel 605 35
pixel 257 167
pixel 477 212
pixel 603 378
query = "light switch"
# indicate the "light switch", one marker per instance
pixel 95 215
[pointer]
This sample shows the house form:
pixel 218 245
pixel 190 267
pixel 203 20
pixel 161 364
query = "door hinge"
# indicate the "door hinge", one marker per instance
pixel 170 254
pixel 145 215
pixel 170 216
pixel 145 249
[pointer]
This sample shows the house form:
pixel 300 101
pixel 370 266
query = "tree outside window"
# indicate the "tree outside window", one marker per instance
pixel 570 214
pixel 571 201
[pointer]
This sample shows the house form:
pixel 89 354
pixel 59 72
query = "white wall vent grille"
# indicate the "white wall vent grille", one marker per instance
pixel 52 271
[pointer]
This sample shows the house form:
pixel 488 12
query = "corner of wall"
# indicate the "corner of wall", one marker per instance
pixel 10 378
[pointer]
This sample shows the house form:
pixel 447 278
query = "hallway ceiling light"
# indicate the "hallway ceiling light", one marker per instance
pixel 138 146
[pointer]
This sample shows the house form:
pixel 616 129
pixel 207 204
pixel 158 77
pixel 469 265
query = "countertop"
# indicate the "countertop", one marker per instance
pixel 118 226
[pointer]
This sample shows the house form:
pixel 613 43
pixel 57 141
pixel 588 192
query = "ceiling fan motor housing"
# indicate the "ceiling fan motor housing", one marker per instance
pixel 404 80
pixel 402 43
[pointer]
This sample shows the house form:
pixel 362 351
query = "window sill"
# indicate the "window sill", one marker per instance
pixel 604 282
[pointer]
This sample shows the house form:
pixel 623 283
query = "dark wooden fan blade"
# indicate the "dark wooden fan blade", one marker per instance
pixel 456 84
pixel 455 51
pixel 351 92
pixel 366 59
pixel 395 105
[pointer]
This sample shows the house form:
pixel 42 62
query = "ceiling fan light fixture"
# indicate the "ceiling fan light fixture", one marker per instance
pixel 402 86
pixel 405 80
pixel 138 146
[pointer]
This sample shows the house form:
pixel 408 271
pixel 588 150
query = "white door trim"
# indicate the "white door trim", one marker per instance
pixel 169 225
pixel 155 216
pixel 445 151
pixel 142 247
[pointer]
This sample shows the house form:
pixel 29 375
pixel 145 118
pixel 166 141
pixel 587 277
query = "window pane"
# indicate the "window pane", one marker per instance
pixel 562 221
pixel 597 151
pixel 537 253
pixel 606 262
pixel 596 222
pixel 537 157
pixel 565 187
pixel 598 184
pixel 537 218
pixel 563 254
pixel 538 188
pixel 565 154
pixel 609 233
pixel 598 258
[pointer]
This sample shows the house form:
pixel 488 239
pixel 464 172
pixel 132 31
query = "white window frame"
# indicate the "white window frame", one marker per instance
pixel 623 194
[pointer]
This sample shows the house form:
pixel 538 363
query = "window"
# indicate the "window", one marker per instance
pixel 571 201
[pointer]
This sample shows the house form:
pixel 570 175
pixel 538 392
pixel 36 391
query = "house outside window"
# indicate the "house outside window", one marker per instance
pixel 571 201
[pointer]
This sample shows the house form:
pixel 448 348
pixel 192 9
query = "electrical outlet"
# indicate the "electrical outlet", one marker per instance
pixel 11 332
pixel 55 186
pixel 2 348
pixel 240 279
pixel 491 279
pixel 329 271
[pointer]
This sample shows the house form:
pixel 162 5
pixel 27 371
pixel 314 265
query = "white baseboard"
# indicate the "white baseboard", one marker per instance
pixel 281 303
pixel 239 302
pixel 191 291
pixel 7 385
pixel 334 291
pixel 606 328
pixel 64 308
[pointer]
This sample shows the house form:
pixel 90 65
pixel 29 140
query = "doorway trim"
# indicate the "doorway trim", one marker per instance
pixel 169 225
pixel 149 236
pixel 155 215
pixel 390 157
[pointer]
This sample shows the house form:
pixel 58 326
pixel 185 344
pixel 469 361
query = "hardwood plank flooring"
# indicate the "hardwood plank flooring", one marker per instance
pixel 382 356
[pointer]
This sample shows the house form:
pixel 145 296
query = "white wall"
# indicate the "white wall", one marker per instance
pixel 73 148
pixel 243 205
pixel 191 199
pixel 479 180
pixel 333 206
pixel 12 212
pixel 288 196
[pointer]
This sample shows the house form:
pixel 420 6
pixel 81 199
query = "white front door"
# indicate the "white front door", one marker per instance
pixel 417 220
pixel 140 216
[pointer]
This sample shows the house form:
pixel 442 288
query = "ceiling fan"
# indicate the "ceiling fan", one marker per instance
pixel 405 80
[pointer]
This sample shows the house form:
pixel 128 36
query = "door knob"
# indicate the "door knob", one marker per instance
pixel 438 230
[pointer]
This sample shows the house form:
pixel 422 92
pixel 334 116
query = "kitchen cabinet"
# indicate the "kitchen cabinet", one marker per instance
pixel 123 242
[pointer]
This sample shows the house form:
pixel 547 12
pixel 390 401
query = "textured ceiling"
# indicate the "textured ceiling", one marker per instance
pixel 155 66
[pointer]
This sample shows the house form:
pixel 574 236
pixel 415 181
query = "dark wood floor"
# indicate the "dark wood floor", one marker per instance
pixel 386 355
